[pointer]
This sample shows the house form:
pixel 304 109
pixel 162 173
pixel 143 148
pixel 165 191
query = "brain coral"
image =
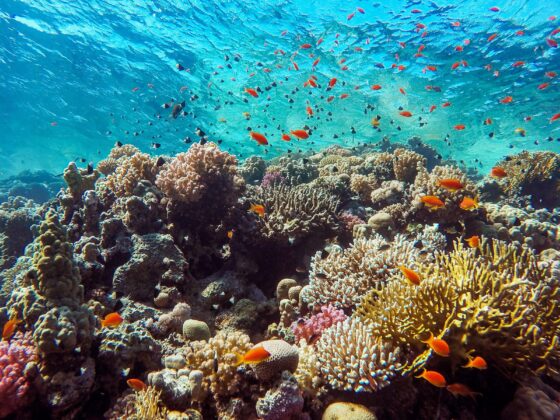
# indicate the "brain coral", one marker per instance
pixel 344 276
pixel 352 358
pixel 495 300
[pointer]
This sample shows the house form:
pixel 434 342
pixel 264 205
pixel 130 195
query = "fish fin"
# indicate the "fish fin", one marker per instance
pixel 429 339
pixel 240 359
pixel 419 376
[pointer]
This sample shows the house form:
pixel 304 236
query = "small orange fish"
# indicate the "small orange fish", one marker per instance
pixel 492 37
pixel 451 184
pixel 473 241
pixel 258 209
pixel 446 104
pixel 111 320
pixel 518 64
pixel 476 363
pixel 488 121
pixel 468 203
pixel 459 127
pixel 455 65
pixel 300 134
pixel 555 117
pixel 432 108
pixel 498 172
pixel 296 67
pixel 406 114
pixel 411 275
pixel 439 346
pixel 332 82
pixel 256 355
pixel 432 202
pixel 433 377
pixel 136 384
pixel 258 137
pixel 401 90
pixel 506 100
pixel 305 46
pixel 375 122
pixel 551 74
pixel 330 98
pixel 309 110
pixel 461 390
pixel 286 137
pixel 230 234
pixel 252 92
pixel 543 86
pixel 375 87
pixel 10 328
pixel 344 96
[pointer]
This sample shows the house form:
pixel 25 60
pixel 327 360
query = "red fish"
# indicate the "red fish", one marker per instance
pixel 285 137
pixel 555 117
pixel 344 96
pixel 316 62
pixel 111 320
pixel 543 86
pixel 296 67
pixel 350 16
pixel 488 121
pixel 520 33
pixel 492 37
pixel 359 9
pixel 455 65
pixel 446 104
pixel 300 134
pixel 319 41
pixel 375 87
pixel 476 363
pixel 433 377
pixel 432 108
pixel 259 138
pixel 136 384
pixel 551 74
pixel 256 355
pixel 459 127
pixel 518 64
pixel 332 82
pixel 309 110
pixel 494 9
pixel 305 46
pixel 456 24
pixel 330 98
pixel 439 346
pixel 473 241
pixel 552 42
pixel 252 92
pixel 499 172
pixel 461 390
pixel 411 275
pixel 401 90
pixel 451 184
pixel 407 114
pixel 459 48
pixel 416 11
pixel 432 202
pixel 10 328
pixel 506 100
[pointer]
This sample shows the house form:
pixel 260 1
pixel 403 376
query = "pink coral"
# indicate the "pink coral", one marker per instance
pixel 272 178
pixel 350 220
pixel 316 324
pixel 14 386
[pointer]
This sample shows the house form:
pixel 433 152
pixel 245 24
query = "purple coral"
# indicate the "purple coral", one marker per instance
pixel 316 324
pixel 272 178
pixel 14 386
pixel 349 220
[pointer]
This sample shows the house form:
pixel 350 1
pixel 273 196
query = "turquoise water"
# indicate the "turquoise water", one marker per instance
pixel 77 76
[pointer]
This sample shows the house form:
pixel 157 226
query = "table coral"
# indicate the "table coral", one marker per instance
pixel 15 355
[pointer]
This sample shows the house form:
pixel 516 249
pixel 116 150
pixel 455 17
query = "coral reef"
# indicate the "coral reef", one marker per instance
pixel 283 401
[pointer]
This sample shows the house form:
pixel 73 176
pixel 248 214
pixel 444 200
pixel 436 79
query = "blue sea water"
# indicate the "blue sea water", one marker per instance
pixel 77 76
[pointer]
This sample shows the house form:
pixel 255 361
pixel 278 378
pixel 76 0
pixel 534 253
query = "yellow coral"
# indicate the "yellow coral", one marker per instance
pixel 525 168
pixel 147 405
pixel 406 164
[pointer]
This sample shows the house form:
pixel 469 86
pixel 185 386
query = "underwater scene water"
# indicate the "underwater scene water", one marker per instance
pixel 280 210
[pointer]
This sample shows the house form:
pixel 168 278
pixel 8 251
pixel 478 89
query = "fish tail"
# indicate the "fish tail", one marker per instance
pixel 422 374
pixel 240 359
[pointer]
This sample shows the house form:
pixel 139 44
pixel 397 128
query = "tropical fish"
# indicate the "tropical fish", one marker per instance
pixel 375 87
pixel 10 328
pixel 344 96
pixel 255 355
pixel 492 37
pixel 468 203
pixel 439 346
pixel 543 86
pixel 488 121
pixel 406 114
pixel 252 92
pixel 432 202
pixel 451 184
pixel 433 377
pixel 518 64
pixel 476 363
pixel 230 234
pixel 506 100
pixel 432 108
pixel 473 241
pixel 300 134
pixel 375 122
pixel 305 46
pixel 461 390
pixel 555 117
pixel 258 137
pixel 136 384
pixel 111 320
pixel 459 127
pixel 332 82
pixel 411 275
pixel 286 137
pixel 309 110
pixel 257 209
pixel 499 172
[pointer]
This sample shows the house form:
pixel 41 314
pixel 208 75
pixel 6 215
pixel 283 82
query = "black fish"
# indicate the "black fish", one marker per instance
pixel 177 109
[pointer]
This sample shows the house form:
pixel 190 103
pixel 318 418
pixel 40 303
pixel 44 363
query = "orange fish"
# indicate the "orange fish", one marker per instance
pixel 252 92
pixel 316 62
pixel 473 241
pixel 230 234
pixel 439 346
pixel 296 67
pixel 446 104
pixel 492 37
pixel 467 203
pixel 459 127
pixel 308 110
pixel 551 74
pixel 461 390
pixel 305 46
pixel 401 90
pixel 411 275
pixel 285 137
pixel 111 320
pixel 256 355
pixel 543 86
pixel 344 96
pixel 258 209
pixel 406 113
pixel 300 134
pixel 518 64
pixel 476 363
pixel 259 138
pixel 506 100
pixel 312 82
pixel 451 184
pixel 332 82
pixel 459 48
pixel 487 121
pixel 10 328
pixel 498 172
pixel 330 98
pixel 136 384
pixel 376 87
pixel 432 202
pixel 432 108
pixel 455 65
pixel 555 117
pixel 433 377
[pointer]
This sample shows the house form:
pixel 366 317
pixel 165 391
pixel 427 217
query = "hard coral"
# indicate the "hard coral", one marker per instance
pixel 282 402
pixel 317 323
pixel 129 171
pixel 15 355
pixel 351 357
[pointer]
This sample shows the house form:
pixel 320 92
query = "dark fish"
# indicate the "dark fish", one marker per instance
pixel 177 109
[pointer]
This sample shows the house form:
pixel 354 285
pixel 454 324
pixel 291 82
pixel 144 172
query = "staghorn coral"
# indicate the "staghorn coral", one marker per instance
pixel 292 213
pixel 295 169
pixel 129 171
pixel 308 376
pixel 406 164
pixel 16 356
pixel 495 300
pixel 337 164
pixel 344 276
pixel 147 406
pixel 352 358
pixel 535 175
pixel 216 359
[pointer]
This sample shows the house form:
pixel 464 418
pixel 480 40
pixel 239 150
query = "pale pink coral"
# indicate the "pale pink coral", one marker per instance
pixel 14 386
pixel 316 324
pixel 272 178
pixel 349 220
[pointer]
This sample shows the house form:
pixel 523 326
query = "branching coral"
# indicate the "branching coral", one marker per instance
pixel 406 164
pixel 111 162
pixel 350 357
pixel 129 171
pixel 344 276
pixel 292 213
pixel 494 300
